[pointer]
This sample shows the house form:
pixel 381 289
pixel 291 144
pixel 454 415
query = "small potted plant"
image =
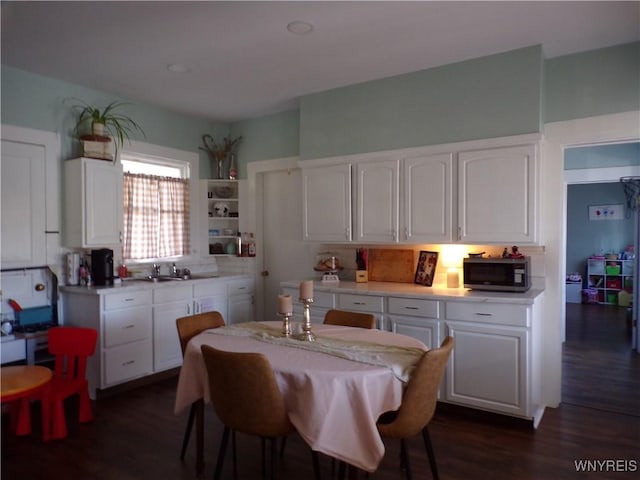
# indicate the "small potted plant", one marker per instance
pixel 96 127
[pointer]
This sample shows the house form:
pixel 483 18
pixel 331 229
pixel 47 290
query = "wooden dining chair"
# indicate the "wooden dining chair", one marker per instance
pixel 418 404
pixel 188 327
pixel 71 347
pixel 246 399
pixel 350 319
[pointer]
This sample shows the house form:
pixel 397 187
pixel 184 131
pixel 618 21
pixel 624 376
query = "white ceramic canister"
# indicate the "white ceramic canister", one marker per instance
pixel 73 268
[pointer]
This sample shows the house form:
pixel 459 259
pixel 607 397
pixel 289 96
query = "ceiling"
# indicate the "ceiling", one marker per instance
pixel 243 63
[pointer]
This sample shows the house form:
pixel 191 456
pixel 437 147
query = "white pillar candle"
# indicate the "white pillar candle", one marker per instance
pixel 285 304
pixel 452 278
pixel 306 289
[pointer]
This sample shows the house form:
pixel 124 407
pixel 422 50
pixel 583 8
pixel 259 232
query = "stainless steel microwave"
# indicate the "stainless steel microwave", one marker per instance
pixel 497 274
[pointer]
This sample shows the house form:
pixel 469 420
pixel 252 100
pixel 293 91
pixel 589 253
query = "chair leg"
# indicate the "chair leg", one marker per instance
pixel 85 415
pixel 235 456
pixel 187 433
pixel 315 458
pixel 264 460
pixel 221 452
pixel 405 458
pixel 274 457
pixel 283 443
pixel 429 447
pixel 58 422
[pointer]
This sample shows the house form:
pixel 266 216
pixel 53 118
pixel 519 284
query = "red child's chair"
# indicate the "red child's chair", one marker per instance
pixel 71 347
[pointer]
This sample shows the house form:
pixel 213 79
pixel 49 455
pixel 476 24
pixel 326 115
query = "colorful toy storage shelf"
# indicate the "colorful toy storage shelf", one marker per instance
pixel 606 278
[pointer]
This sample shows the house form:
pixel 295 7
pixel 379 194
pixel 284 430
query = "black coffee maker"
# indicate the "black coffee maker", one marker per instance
pixel 102 266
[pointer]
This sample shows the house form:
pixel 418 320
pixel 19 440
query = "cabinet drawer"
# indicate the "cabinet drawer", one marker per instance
pixel 127 299
pixel 127 325
pixel 172 294
pixel 209 289
pixel 415 307
pixel 320 299
pixel 13 350
pixel 365 303
pixel 501 314
pixel 240 286
pixel 127 362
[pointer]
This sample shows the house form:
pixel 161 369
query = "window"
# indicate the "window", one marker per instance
pixel 156 208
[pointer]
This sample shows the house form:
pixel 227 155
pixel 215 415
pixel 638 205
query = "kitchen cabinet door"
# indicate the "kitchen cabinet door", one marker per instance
pixel 22 169
pixel 497 195
pixel 93 203
pixel 169 303
pixel 326 203
pixel 488 368
pixel 428 193
pixel 377 201
pixel 240 304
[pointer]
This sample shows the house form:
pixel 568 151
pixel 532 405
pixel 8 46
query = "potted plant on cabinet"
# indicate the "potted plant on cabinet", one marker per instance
pixel 97 127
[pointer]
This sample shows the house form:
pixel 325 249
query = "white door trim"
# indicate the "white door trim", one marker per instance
pixel 615 128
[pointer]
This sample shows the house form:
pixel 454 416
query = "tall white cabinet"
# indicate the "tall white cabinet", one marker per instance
pixel 326 203
pixel 497 195
pixel 93 203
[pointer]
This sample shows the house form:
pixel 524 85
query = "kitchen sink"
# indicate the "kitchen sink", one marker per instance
pixel 162 278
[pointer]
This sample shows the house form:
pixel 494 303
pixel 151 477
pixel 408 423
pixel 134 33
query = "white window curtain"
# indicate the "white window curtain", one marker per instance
pixel 156 217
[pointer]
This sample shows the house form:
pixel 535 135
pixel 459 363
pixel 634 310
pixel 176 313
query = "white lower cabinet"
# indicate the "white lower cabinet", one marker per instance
pixel 415 318
pixel 322 303
pixel 362 303
pixel 494 364
pixel 124 322
pixel 169 304
pixel 240 301
pixel 210 296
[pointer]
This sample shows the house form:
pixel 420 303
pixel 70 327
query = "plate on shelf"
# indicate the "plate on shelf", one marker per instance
pixel 223 191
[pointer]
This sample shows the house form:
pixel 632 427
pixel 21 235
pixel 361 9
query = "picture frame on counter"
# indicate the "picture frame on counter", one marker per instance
pixel 426 269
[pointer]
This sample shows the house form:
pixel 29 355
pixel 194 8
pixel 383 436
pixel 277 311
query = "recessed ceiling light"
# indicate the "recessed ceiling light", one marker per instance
pixel 298 27
pixel 178 68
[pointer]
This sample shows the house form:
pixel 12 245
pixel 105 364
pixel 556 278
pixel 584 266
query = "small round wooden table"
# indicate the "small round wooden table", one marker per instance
pixel 19 384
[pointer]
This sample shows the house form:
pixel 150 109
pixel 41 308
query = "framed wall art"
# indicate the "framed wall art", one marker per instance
pixel 426 269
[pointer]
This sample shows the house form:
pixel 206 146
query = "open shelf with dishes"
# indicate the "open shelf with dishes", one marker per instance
pixel 222 202
pixel 609 277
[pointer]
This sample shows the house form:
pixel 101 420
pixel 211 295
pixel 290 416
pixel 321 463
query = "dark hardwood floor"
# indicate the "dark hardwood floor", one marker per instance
pixel 136 436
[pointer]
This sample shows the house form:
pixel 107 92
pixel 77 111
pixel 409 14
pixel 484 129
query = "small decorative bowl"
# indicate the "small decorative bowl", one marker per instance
pixel 228 231
pixel 223 192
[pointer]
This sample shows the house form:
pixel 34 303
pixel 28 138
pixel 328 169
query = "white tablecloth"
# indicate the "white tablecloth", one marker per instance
pixel 333 402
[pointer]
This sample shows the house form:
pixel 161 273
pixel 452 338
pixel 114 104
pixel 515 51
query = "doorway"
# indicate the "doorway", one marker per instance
pixel 600 370
pixel 284 255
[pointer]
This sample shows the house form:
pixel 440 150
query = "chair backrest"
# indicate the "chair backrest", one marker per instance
pixel 71 347
pixel 420 396
pixel 350 319
pixel 192 325
pixel 244 393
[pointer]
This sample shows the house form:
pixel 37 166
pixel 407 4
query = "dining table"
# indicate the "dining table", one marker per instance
pixel 18 385
pixel 334 388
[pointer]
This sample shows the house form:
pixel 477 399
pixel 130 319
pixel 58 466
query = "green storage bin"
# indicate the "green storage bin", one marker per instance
pixel 613 270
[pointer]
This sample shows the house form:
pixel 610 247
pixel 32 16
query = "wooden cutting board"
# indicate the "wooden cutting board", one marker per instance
pixel 391 265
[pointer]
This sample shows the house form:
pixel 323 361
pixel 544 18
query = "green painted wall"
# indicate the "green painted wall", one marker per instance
pixel 268 137
pixel 492 96
pixel 34 101
pixel 593 83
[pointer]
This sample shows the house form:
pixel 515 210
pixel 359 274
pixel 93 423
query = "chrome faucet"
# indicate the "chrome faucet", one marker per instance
pixel 174 271
pixel 155 272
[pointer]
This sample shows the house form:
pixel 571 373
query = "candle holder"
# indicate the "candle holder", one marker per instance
pixel 306 335
pixel 286 324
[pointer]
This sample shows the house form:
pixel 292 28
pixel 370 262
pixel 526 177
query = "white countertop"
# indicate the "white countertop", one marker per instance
pixel 134 284
pixel 419 291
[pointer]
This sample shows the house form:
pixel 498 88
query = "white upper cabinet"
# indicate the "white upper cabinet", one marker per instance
pixel 497 195
pixel 427 199
pixel 326 203
pixel 93 203
pixel 377 201
pixel 22 168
